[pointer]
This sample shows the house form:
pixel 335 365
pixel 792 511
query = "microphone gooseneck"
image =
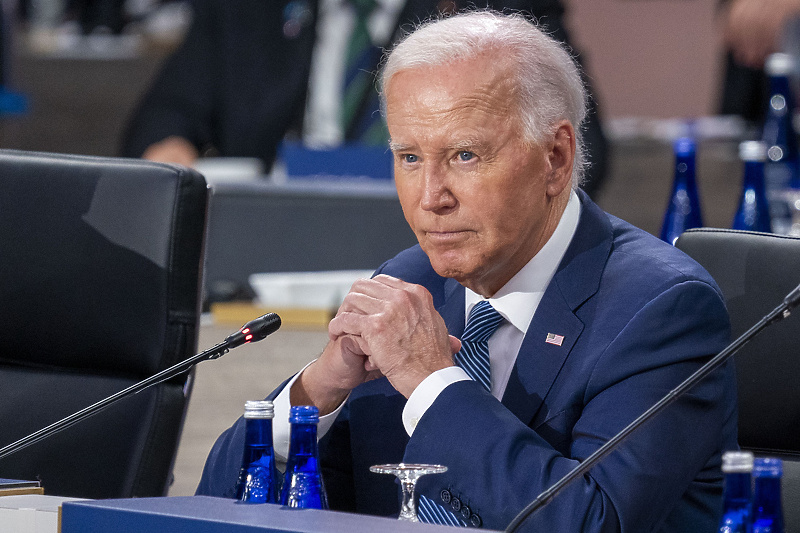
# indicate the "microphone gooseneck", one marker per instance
pixel 782 311
pixel 253 331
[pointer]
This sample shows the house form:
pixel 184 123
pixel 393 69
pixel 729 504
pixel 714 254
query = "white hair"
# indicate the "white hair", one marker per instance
pixel 549 87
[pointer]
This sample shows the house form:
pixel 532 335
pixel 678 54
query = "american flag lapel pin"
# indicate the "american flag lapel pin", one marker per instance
pixel 552 338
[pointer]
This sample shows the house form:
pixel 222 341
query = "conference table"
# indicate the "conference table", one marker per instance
pixel 39 513
pixel 203 514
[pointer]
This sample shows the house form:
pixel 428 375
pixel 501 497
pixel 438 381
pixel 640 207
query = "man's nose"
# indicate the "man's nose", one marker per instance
pixel 436 193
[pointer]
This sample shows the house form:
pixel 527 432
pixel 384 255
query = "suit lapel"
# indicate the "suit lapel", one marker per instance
pixel 539 361
pixel 452 310
pixel 576 280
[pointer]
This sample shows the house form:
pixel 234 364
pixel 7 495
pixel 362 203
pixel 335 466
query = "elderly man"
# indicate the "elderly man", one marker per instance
pixel 593 319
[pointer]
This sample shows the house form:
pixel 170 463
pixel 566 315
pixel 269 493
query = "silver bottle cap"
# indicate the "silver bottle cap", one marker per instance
pixel 779 64
pixel 752 151
pixel 258 409
pixel 739 462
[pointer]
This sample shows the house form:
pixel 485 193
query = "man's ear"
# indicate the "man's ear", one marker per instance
pixel 562 158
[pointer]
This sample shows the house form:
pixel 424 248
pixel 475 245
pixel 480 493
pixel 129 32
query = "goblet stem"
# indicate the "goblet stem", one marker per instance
pixel 408 474
pixel 408 511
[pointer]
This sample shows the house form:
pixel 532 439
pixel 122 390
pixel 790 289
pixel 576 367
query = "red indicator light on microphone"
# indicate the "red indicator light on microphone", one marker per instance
pixel 248 338
pixel 245 330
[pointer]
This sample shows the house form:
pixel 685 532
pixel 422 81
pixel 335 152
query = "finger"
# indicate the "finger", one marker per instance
pixel 362 303
pixel 455 344
pixel 367 296
pixel 346 323
pixel 375 286
pixel 351 347
pixel 369 366
pixel 391 281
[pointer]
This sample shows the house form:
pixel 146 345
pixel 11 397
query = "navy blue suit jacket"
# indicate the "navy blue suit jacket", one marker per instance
pixel 637 317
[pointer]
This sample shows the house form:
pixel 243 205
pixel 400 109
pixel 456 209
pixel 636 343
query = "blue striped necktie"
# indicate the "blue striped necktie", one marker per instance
pixel 473 357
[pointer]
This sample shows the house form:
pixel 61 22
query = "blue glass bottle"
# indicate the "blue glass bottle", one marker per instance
pixel 258 477
pixel 302 483
pixel 753 211
pixel 767 506
pixel 737 468
pixel 781 170
pixel 683 210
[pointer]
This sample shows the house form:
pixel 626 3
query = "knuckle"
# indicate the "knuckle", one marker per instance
pixel 421 293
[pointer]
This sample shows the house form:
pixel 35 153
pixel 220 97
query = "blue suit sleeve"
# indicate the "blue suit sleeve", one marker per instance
pixel 222 465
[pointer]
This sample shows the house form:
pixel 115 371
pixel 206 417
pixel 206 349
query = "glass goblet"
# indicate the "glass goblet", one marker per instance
pixel 408 474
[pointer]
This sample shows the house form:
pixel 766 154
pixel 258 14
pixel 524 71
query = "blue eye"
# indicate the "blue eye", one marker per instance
pixel 465 156
pixel 410 158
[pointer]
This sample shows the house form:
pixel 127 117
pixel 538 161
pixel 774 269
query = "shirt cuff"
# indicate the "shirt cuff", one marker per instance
pixel 427 392
pixel 281 428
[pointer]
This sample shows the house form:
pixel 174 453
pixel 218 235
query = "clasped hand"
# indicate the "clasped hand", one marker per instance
pixel 384 326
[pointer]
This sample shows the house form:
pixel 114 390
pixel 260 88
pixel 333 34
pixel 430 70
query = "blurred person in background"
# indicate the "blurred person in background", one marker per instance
pixel 751 30
pixel 251 73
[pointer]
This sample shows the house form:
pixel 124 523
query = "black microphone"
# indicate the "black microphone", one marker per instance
pixel 782 311
pixel 253 331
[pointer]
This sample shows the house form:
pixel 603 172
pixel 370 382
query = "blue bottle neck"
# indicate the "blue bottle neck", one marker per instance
pixel 767 495
pixel 303 441
pixel 779 134
pixel 737 490
pixel 685 173
pixel 753 211
pixel 781 85
pixel 258 439
pixel 683 209
pixel 754 176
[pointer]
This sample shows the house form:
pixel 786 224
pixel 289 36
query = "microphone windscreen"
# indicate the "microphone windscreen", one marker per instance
pixel 255 330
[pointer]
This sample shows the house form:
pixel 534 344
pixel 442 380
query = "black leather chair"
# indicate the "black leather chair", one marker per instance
pixel 755 272
pixel 100 275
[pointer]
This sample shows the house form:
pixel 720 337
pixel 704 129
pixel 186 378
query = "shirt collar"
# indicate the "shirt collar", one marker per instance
pixel 518 299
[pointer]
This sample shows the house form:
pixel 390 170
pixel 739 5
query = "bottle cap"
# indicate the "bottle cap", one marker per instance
pixel 684 146
pixel 258 409
pixel 779 65
pixel 752 151
pixel 767 467
pixel 737 462
pixel 304 414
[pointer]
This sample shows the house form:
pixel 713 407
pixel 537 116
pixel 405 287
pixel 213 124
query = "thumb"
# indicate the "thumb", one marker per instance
pixel 455 344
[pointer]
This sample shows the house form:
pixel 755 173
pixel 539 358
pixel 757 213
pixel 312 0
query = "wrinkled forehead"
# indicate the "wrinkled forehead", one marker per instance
pixel 483 81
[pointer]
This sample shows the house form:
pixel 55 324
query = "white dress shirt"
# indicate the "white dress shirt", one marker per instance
pixel 516 301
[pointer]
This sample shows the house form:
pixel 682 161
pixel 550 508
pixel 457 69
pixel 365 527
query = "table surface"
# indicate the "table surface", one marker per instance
pixel 201 514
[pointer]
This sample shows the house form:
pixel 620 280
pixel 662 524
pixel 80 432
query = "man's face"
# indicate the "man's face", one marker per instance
pixel 480 199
